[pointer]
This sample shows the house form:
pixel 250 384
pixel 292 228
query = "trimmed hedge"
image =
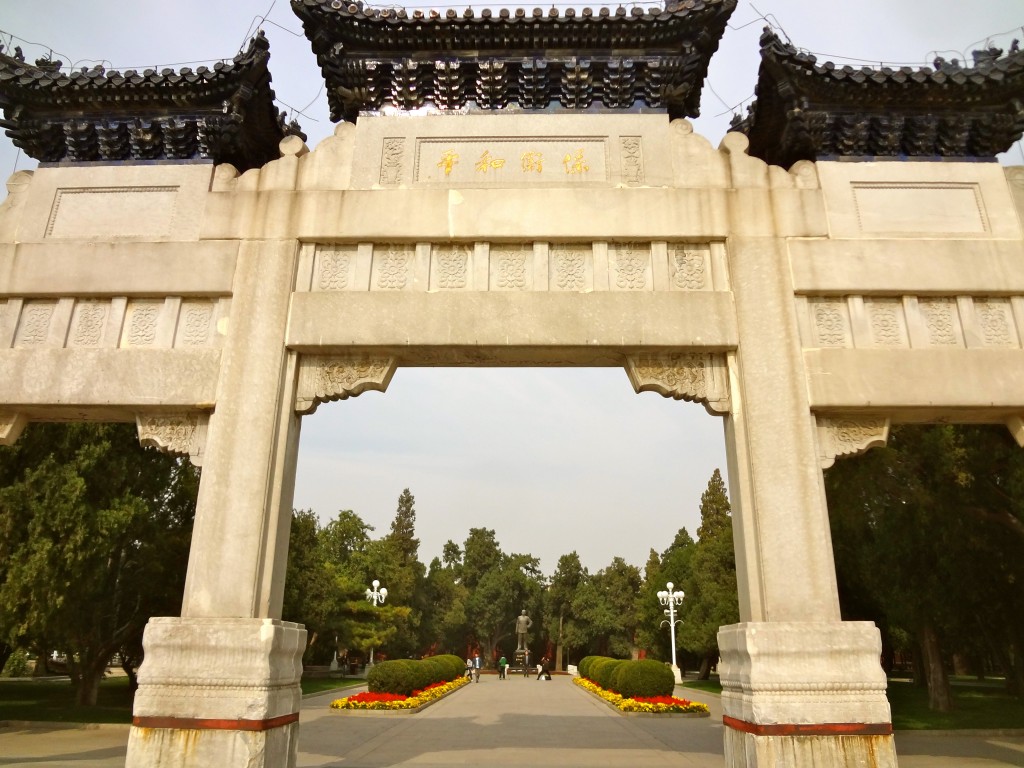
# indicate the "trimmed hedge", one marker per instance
pixel 644 677
pixel 403 676
pixel 603 671
pixel 584 666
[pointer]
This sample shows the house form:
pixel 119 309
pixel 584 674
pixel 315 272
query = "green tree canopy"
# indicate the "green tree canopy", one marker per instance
pixel 94 539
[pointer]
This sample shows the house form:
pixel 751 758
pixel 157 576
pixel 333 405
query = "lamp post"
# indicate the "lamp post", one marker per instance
pixel 672 599
pixel 376 596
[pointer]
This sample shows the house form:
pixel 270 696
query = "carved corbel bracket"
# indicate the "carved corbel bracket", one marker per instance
pixel 182 434
pixel 324 378
pixel 1016 424
pixel 11 425
pixel 849 436
pixel 700 377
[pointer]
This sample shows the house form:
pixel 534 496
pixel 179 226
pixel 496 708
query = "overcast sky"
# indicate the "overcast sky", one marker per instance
pixel 553 459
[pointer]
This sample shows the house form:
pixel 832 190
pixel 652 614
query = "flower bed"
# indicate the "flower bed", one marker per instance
pixel 394 702
pixel 653 705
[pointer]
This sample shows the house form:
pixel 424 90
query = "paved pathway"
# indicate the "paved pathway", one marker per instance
pixel 520 722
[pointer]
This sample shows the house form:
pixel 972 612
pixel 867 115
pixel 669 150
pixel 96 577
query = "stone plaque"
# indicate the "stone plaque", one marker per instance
pixel 502 161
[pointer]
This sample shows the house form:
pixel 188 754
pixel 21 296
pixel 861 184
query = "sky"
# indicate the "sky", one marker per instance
pixel 554 460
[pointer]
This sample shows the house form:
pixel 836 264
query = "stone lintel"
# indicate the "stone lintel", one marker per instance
pixel 327 378
pixel 700 377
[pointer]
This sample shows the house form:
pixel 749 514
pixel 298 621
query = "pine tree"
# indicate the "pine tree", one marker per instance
pixel 403 528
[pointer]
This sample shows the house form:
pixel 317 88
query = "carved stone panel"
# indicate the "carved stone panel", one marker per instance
pixel 831 322
pixel 325 378
pixel 511 267
pixel 450 267
pixel 392 267
pixel 181 434
pixel 941 321
pixel 334 267
pixel 34 324
pixel 849 436
pixel 630 265
pixel 87 323
pixel 194 324
pixel 689 267
pixel 995 322
pixel 632 159
pixel 572 267
pixel 392 161
pixel 141 324
pixel 888 328
pixel 700 377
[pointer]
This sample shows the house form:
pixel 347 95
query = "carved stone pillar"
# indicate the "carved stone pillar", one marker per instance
pixel 224 678
pixel 800 687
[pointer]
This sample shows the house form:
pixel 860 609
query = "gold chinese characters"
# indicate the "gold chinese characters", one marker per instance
pixel 530 162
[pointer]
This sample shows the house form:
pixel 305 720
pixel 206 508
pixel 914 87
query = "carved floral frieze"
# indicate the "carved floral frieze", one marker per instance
pixel 182 434
pixel 325 378
pixel 700 377
pixel 849 436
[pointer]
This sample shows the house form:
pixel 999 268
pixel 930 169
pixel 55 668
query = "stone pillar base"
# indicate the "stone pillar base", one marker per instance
pixel 801 694
pixel 218 692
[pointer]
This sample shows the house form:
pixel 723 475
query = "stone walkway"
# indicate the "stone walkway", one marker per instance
pixel 520 722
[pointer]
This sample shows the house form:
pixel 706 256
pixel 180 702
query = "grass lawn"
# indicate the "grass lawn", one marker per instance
pixel 320 684
pixel 704 685
pixel 54 700
pixel 975 706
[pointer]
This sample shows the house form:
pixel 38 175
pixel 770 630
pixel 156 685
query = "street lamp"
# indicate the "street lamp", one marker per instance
pixel 672 599
pixel 376 596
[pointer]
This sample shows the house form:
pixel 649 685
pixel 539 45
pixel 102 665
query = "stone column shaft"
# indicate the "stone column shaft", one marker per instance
pixel 224 678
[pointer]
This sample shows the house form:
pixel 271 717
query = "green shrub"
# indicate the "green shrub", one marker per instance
pixel 17 665
pixel 584 666
pixel 645 677
pixel 603 672
pixel 403 676
pixel 455 667
pixel 392 677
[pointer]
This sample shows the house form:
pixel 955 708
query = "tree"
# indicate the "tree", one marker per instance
pixel 673 565
pixel 711 593
pixel 94 538
pixel 605 605
pixel 926 539
pixel 403 528
pixel 561 624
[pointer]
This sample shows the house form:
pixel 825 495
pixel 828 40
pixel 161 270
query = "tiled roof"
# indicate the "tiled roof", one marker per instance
pixel 615 59
pixel 806 110
pixel 225 113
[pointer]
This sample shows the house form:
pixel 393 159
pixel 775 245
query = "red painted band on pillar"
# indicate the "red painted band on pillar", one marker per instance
pixel 809 729
pixel 211 724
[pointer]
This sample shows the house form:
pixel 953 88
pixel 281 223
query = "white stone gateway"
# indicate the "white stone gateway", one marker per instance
pixel 809 308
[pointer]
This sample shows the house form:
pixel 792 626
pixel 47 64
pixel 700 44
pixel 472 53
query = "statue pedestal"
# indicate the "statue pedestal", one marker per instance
pixel 518 661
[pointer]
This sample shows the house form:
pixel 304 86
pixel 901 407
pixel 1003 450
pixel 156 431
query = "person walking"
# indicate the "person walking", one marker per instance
pixel 502 668
pixel 476 668
pixel 526 664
